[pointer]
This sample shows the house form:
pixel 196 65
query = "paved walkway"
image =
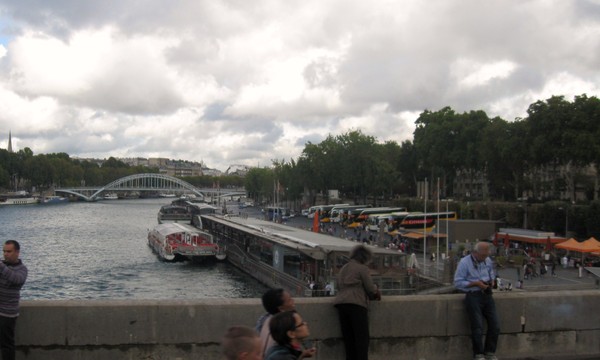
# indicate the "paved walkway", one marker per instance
pixel 565 279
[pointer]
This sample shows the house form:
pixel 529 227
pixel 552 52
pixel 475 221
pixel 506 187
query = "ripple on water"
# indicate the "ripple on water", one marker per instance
pixel 99 251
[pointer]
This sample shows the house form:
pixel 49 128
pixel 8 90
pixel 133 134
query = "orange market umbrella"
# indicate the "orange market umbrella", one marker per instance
pixel 591 245
pixel 570 244
pixel 588 246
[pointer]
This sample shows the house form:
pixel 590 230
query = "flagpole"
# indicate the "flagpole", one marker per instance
pixel 447 231
pixel 437 255
pixel 425 224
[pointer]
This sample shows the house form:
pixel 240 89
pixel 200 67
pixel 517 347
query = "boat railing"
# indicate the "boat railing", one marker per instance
pixel 265 273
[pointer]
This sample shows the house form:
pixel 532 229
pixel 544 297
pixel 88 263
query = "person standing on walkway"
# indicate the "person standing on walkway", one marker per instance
pixel 475 276
pixel 12 277
pixel 355 288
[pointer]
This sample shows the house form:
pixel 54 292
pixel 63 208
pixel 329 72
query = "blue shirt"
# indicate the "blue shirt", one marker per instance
pixel 470 270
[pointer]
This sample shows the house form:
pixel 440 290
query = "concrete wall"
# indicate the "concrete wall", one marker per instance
pixel 544 325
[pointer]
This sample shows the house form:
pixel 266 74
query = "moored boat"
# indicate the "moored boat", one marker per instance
pixel 110 196
pixel 183 211
pixel 51 200
pixel 19 201
pixel 176 241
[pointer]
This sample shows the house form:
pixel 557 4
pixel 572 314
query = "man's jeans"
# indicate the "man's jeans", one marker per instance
pixel 481 306
pixel 7 337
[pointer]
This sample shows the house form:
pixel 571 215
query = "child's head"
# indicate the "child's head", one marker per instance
pixel 241 343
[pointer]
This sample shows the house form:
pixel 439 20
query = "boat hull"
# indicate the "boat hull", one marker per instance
pixel 176 241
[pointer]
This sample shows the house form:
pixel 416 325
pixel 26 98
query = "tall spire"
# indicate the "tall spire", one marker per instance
pixel 9 142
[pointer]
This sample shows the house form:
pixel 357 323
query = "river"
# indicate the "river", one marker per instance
pixel 99 250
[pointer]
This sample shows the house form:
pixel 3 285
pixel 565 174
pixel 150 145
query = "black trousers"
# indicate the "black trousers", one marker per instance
pixel 354 321
pixel 7 337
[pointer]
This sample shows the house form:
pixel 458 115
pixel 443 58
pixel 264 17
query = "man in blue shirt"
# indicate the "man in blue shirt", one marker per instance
pixel 475 277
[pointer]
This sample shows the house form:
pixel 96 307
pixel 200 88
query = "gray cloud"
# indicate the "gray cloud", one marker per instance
pixel 246 82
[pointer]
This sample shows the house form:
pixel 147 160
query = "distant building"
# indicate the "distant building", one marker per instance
pixel 158 162
pixel 137 161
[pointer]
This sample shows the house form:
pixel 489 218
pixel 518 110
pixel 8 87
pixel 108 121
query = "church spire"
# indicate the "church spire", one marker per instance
pixel 9 142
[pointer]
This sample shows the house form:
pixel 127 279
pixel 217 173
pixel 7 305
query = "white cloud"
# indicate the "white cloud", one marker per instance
pixel 228 81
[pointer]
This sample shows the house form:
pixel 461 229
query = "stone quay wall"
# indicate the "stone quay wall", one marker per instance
pixel 542 325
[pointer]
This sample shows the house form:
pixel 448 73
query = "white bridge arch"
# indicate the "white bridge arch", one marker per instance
pixel 138 182
pixel 148 181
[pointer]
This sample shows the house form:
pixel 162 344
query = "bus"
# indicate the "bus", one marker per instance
pixel 274 213
pixel 323 211
pixel 311 212
pixel 393 220
pixel 420 221
pixel 360 219
pixel 337 214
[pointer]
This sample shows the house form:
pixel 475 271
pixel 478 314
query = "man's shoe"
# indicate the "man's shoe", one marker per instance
pixel 479 357
pixel 490 357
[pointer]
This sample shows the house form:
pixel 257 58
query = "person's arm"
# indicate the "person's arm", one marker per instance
pixel 14 275
pixel 462 281
pixel 368 284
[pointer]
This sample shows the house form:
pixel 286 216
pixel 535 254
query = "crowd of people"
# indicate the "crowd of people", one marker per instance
pixel 280 333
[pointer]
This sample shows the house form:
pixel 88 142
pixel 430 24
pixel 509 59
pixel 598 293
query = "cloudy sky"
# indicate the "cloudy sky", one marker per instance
pixel 243 82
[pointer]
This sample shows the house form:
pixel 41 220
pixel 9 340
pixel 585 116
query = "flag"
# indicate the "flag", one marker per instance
pixel 315 227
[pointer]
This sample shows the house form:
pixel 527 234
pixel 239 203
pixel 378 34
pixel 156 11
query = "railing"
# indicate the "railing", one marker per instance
pixel 265 273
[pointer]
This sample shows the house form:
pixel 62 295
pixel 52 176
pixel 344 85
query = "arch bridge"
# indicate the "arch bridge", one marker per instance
pixel 146 182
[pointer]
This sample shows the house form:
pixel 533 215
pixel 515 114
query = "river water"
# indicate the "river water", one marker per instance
pixel 99 250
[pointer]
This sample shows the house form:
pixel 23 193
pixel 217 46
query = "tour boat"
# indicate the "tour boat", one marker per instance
pixel 177 241
pixel 18 201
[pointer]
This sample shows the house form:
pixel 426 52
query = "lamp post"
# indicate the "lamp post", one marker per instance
pixel 566 209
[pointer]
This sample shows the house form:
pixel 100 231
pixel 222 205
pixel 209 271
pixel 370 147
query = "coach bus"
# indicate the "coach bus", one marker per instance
pixel 420 221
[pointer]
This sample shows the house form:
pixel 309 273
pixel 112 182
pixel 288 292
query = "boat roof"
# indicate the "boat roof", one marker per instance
pixel 175 227
pixel 303 240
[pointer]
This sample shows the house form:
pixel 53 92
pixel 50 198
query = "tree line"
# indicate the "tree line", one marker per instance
pixel 545 156
pixel 23 170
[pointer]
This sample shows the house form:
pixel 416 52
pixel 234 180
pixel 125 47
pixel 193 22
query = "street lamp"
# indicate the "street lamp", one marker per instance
pixel 566 209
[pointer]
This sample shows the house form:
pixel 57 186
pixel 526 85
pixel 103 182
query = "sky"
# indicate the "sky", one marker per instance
pixel 248 82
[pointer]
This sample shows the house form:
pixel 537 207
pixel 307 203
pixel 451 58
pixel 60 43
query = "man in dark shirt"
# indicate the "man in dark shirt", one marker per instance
pixel 12 277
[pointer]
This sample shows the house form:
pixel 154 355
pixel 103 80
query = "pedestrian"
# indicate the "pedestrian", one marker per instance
pixel 328 289
pixel 553 268
pixel 543 270
pixel 355 288
pixel 274 301
pixel 241 343
pixel 289 330
pixel 474 276
pixel 13 275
